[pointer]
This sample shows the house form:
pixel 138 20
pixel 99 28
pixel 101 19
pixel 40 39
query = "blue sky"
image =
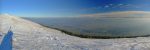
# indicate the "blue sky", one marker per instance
pixel 69 8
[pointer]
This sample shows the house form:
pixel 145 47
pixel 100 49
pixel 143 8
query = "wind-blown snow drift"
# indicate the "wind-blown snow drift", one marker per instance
pixel 31 36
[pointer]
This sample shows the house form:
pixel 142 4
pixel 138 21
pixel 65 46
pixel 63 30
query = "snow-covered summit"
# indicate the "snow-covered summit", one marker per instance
pixel 25 32
pixel 32 36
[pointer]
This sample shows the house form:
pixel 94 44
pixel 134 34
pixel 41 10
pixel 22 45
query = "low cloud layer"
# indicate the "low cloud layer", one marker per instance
pixel 120 14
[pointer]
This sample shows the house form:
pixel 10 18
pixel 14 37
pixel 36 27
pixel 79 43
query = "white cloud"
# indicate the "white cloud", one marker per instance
pixel 106 6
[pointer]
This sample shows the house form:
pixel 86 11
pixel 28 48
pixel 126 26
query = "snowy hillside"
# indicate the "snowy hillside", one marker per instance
pixel 31 36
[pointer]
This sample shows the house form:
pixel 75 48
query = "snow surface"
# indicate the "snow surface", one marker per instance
pixel 31 36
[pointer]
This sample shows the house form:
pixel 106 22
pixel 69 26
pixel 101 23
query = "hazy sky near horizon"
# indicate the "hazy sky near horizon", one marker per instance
pixel 69 8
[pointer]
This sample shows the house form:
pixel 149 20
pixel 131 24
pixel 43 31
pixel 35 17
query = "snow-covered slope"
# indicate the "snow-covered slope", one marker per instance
pixel 31 36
